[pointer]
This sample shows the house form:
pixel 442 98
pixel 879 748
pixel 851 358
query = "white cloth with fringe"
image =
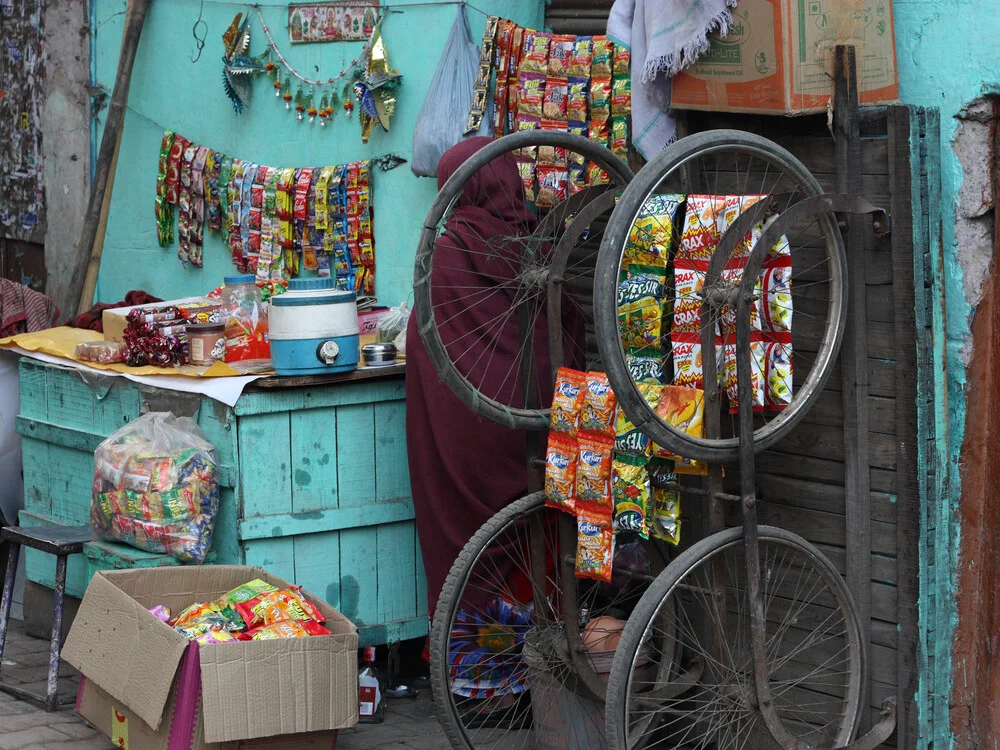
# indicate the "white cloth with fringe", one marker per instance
pixel 664 37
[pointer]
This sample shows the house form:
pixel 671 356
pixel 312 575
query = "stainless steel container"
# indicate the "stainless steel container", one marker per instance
pixel 378 355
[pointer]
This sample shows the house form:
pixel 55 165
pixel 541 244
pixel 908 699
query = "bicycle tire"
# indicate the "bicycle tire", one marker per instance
pixel 466 392
pixel 617 701
pixel 629 205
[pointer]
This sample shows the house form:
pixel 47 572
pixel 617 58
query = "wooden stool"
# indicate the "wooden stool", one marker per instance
pixel 60 541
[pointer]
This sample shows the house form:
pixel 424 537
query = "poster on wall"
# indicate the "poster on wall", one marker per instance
pixel 351 21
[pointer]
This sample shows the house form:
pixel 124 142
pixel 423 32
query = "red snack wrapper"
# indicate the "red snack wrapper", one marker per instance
pixel 560 471
pixel 284 629
pixel 599 402
pixel 552 181
pixel 560 54
pixel 600 97
pixel 599 131
pixel 593 472
pixel 595 543
pixel 284 604
pixel 555 99
pixel 602 60
pixel 567 400
pixel 536 51
pixel 552 155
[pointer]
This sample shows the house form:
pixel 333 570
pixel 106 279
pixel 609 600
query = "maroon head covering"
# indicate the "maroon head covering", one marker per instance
pixel 464 469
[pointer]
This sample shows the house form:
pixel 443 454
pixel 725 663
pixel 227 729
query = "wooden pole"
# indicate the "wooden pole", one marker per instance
pixel 87 259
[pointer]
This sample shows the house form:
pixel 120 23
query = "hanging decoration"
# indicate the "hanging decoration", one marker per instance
pixel 239 69
pixel 375 86
pixel 275 222
pixel 303 101
pixel 332 22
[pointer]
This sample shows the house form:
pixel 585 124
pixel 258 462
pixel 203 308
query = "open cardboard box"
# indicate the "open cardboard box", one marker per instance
pixel 173 693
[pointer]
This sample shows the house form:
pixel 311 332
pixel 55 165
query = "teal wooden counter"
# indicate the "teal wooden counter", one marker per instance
pixel 314 478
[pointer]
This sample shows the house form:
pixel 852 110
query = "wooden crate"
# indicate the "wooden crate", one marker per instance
pixel 314 481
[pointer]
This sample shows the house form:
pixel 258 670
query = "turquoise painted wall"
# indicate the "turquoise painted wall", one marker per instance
pixel 169 91
pixel 947 58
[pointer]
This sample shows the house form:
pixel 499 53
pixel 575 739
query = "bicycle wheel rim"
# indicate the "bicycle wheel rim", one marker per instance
pixel 826 703
pixel 469 392
pixel 669 163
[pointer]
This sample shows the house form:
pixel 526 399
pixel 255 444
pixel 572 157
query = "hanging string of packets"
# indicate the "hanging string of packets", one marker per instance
pixel 276 222
pixel 575 84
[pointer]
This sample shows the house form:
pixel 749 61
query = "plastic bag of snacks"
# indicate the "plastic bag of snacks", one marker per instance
pixel 156 487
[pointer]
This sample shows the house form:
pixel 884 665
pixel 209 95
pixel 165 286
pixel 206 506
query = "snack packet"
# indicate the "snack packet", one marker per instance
pixel 552 155
pixel 602 60
pixel 640 313
pixel 661 473
pixel 567 400
pixel 554 101
pixel 631 494
pixel 203 624
pixel 560 471
pixel 161 613
pixel 619 137
pixel 600 98
pixel 595 546
pixel 583 55
pixel 285 629
pixel 247 591
pixel 273 606
pixel 216 636
pixel 683 408
pixel 576 105
pixel 560 52
pixel 621 96
pixel 629 438
pixel 552 181
pixel 530 96
pixel 598 132
pixel 778 372
pixel 536 51
pixel 644 369
pixel 596 175
pixel 593 472
pixel 598 412
pixel 622 60
pixel 666 521
pixel 757 373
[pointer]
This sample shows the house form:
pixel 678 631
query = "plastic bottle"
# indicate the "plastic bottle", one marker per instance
pixel 248 349
pixel 371 691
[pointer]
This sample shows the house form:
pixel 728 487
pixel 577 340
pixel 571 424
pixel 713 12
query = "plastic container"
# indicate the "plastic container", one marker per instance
pixel 248 348
pixel 206 343
pixel 314 329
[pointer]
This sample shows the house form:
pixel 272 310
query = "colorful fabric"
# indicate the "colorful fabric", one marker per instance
pixel 485 650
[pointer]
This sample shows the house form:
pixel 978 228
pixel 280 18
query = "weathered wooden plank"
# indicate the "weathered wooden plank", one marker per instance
pixel 40 567
pixel 275 525
pixel 314 460
pixel 317 564
pixel 907 484
pixel 359 392
pixel 820 496
pixel 35 468
pixel 828 442
pixel 879 303
pixel 286 382
pixel 277 556
pixel 392 475
pixel 421 576
pixel 356 454
pixel 34 395
pixel 225 540
pixel 265 464
pixel 829 411
pixel 70 400
pixel 117 404
pixel 397 594
pixel 359 554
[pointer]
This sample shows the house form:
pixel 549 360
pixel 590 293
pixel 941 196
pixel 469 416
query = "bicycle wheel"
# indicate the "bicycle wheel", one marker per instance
pixel 466 325
pixel 491 690
pixel 816 660
pixel 726 177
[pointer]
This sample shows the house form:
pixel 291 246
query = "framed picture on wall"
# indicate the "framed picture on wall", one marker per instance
pixel 351 21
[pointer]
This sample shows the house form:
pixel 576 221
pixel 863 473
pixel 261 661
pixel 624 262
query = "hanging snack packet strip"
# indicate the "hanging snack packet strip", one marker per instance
pixel 640 314
pixel 505 37
pixel 486 61
pixel 536 52
pixel 164 210
pixel 560 471
pixel 595 546
pixel 597 415
pixel 631 494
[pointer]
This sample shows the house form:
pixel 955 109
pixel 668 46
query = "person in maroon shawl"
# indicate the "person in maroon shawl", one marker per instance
pixel 464 468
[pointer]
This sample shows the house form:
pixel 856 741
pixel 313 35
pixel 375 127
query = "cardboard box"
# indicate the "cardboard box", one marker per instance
pixel 368 319
pixel 173 693
pixel 114 321
pixel 778 57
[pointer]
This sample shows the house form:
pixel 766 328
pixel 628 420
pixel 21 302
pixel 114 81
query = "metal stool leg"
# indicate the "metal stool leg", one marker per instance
pixel 8 593
pixel 55 647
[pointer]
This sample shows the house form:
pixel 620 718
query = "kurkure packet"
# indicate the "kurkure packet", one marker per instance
pixel 567 400
pixel 560 471
pixel 595 546
pixel 598 411
pixel 593 473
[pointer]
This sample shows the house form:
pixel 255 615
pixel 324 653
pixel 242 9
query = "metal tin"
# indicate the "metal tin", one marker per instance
pixel 378 355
